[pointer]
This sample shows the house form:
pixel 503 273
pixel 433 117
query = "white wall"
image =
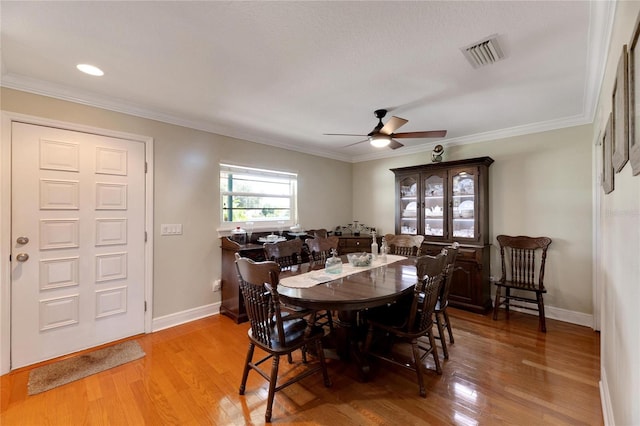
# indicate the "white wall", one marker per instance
pixel 619 261
pixel 539 185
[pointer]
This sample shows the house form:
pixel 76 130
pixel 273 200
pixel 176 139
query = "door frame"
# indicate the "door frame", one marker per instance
pixel 7 118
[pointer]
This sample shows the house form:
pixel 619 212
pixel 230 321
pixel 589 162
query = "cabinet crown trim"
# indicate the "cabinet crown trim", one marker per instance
pixel 487 161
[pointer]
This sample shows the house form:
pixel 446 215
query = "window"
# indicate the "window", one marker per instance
pixel 267 198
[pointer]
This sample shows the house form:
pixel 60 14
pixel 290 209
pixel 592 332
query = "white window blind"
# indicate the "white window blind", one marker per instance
pixel 268 198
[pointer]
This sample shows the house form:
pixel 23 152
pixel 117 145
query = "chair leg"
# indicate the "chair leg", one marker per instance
pixel 507 297
pixel 434 352
pixel 323 363
pixel 418 367
pixel 443 339
pixel 542 322
pixel 330 320
pixel 448 323
pixel 496 304
pixel 245 373
pixel 272 386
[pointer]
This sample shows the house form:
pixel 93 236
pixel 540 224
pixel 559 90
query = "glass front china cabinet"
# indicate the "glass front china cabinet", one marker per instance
pixel 448 202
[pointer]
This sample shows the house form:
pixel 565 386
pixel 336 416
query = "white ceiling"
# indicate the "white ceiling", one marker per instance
pixel 284 73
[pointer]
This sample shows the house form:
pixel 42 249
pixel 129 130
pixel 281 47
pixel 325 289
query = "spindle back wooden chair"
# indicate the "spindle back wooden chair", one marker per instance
pixel 404 245
pixel 287 253
pixel 521 273
pixel 417 323
pixel 321 232
pixel 440 311
pixel 320 248
pixel 273 332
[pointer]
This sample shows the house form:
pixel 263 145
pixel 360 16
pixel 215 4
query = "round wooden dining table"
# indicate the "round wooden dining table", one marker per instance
pixel 349 296
pixel 369 288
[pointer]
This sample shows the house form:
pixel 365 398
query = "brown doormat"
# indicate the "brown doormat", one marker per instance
pixel 68 370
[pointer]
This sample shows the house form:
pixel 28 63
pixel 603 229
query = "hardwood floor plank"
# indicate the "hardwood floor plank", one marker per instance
pixel 499 372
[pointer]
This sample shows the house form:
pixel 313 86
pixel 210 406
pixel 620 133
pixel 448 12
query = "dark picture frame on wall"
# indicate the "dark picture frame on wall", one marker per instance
pixel 620 97
pixel 607 166
pixel 634 100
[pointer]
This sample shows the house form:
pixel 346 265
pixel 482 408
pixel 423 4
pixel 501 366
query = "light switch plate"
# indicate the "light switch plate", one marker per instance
pixel 171 229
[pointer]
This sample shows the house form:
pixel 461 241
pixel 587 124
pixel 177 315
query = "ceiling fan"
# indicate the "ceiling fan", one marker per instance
pixel 383 134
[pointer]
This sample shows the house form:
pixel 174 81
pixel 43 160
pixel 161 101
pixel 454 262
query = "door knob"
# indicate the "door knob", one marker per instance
pixel 22 257
pixel 22 240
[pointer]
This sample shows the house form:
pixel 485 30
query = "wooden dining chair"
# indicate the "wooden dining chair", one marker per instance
pixel 440 311
pixel 404 245
pixel 320 232
pixel 273 332
pixel 520 273
pixel 288 254
pixel 417 323
pixel 320 248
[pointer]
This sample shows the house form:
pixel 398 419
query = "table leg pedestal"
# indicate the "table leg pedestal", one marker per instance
pixel 348 337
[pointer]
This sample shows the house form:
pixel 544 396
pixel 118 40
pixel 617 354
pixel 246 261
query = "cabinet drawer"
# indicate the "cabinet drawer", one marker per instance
pixel 354 244
pixel 469 254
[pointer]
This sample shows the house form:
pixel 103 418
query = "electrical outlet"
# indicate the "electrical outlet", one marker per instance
pixel 217 284
pixel 492 278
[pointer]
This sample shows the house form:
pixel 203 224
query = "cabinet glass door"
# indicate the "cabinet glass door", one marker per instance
pixel 464 184
pixel 409 205
pixel 434 206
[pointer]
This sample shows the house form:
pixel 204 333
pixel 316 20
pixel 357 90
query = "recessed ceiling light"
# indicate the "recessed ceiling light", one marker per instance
pixel 90 69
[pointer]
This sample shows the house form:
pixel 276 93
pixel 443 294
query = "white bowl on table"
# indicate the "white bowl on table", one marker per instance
pixel 359 259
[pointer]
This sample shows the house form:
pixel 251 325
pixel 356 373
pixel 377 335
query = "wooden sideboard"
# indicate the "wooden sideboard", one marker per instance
pixel 232 301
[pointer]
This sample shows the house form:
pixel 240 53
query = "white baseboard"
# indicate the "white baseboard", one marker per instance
pixel 183 317
pixel 559 314
pixel 573 317
pixel 605 399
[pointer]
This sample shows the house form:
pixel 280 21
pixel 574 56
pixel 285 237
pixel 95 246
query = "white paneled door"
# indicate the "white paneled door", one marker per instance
pixel 78 241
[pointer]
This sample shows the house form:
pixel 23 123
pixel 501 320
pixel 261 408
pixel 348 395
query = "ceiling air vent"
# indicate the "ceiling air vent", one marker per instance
pixel 484 52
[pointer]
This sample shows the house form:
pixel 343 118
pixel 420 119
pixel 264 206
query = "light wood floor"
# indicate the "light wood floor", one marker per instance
pixel 498 373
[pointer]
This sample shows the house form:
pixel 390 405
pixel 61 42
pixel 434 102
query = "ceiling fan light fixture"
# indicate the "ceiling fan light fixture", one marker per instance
pixel 380 141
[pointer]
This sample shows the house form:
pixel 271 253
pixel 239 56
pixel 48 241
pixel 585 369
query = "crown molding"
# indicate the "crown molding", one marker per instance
pixel 65 93
pixel 481 137
pixel 601 20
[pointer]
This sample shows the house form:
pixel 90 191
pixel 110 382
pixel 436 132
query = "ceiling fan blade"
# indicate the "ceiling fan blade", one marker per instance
pixel 393 124
pixel 356 143
pixel 394 144
pixel 429 134
pixel 341 134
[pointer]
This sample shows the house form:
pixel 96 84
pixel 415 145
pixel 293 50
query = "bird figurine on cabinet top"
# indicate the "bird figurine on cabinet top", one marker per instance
pixel 436 155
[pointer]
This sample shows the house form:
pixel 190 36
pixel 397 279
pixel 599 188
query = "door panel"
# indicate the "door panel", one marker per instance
pixel 77 274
